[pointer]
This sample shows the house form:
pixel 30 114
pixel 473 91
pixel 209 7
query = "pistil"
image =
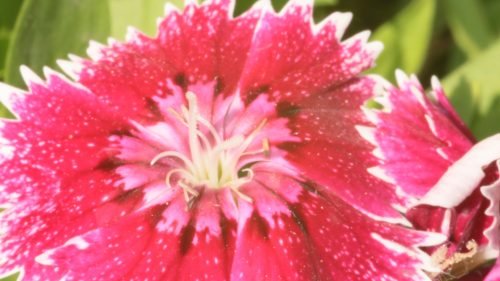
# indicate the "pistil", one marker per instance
pixel 214 162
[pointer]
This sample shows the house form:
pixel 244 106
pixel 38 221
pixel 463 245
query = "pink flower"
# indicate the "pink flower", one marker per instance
pixel 223 149
pixel 451 181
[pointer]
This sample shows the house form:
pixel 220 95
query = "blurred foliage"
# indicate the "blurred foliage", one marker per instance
pixel 474 89
pixel 141 14
pixel 48 30
pixel 405 48
pixel 469 26
pixel 8 14
pixel 457 40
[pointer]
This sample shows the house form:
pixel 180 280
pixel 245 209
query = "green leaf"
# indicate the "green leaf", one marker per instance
pixel 10 278
pixel 406 38
pixel 469 25
pixel 8 13
pixel 479 104
pixel 141 14
pixel 325 2
pixel 47 30
pixel 492 9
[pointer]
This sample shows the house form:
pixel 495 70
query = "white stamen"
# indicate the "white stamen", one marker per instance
pixel 215 161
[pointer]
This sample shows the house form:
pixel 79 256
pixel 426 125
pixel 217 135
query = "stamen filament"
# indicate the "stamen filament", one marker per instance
pixel 214 161
pixel 192 126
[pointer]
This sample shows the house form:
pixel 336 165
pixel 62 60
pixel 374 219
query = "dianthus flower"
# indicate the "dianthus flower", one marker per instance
pixel 451 182
pixel 222 149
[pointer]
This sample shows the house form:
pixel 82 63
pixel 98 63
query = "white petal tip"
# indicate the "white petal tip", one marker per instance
pixel 377 152
pixel 75 58
pixel 341 22
pixel 368 133
pixel 264 5
pixel 8 96
pixel 94 51
pixel 401 78
pixel 132 34
pixel 48 72
pixel 375 48
pixel 170 8
pixel 112 41
pixel 6 89
pixel 371 115
pixel 72 69
pixel 379 173
pixel 436 85
pixel 190 3
pixel 298 3
pixel 29 76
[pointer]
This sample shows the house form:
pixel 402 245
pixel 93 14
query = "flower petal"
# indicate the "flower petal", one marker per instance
pixel 32 226
pixel 334 154
pixel 416 138
pixel 102 249
pixel 320 238
pixel 492 192
pixel 145 246
pixel 427 151
pixel 281 252
pixel 202 44
pixel 300 58
pixel 60 124
pixel 463 177
pixel 363 249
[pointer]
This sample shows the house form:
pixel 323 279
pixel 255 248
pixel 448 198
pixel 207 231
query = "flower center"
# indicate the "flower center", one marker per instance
pixel 214 162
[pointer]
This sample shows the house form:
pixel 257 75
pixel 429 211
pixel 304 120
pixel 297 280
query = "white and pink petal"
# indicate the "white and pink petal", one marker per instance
pixel 333 153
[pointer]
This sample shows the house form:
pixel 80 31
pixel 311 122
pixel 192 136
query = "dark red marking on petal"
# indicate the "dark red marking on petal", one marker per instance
pixel 133 194
pixel 181 80
pixel 108 164
pixel 287 109
pixel 219 85
pixel 254 92
pixel 186 238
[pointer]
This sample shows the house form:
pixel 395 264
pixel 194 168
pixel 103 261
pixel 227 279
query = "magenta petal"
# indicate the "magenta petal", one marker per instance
pixel 222 149
pixel 298 245
pixel 202 44
pixel 273 253
pixel 207 242
pixel 447 108
pixel 206 43
pixel 33 226
pixel 60 124
pixel 427 151
pixel 84 114
pixel 416 138
pixel 363 249
pixel 334 154
pixel 102 249
pixel 462 178
pixel 301 58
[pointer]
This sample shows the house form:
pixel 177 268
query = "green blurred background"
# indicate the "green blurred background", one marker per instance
pixel 457 40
